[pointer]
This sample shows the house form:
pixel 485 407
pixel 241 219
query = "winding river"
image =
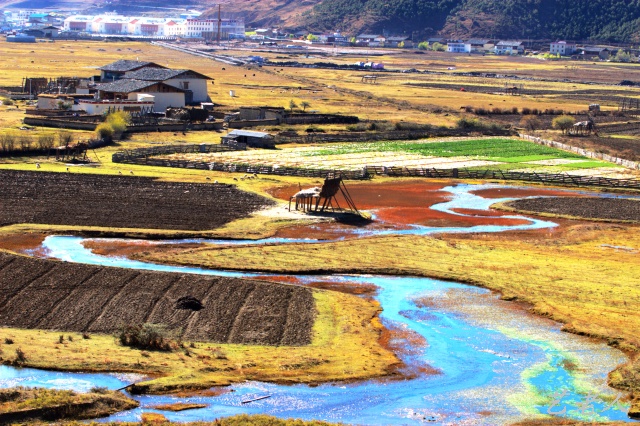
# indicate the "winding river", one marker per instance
pixel 493 362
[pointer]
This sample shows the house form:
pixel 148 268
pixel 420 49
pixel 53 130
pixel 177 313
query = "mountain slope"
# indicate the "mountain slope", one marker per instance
pixel 610 20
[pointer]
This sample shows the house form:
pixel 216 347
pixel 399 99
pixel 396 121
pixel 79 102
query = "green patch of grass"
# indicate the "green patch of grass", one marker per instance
pixel 495 149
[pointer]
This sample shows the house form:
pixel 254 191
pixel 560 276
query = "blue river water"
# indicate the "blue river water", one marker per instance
pixel 494 364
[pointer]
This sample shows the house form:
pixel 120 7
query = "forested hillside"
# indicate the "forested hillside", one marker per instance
pixel 602 20
pixel 611 20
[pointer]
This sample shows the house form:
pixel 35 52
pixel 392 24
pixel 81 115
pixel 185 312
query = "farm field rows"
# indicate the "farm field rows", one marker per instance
pixel 120 201
pixel 111 297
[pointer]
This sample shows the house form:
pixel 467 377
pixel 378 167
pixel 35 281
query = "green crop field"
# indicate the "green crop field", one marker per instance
pixel 495 149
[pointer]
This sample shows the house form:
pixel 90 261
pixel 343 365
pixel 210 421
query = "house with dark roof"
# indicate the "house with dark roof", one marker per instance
pixel 192 83
pixel 398 41
pixel 594 53
pixel 481 45
pixel 372 40
pixel 117 69
pixel 250 138
pixel 162 95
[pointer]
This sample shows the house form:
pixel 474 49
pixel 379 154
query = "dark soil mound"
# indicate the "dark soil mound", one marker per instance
pixel 52 295
pixel 120 201
pixel 190 303
pixel 587 208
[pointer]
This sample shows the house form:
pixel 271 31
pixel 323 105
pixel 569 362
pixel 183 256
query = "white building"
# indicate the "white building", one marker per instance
pixel 208 28
pixel 563 48
pixel 153 27
pixel 509 48
pixel 459 47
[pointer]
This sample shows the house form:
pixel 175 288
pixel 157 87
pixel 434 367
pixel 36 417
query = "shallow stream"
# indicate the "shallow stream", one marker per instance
pixel 494 363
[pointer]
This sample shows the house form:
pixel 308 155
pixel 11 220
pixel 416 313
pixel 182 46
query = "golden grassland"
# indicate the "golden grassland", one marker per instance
pixel 344 347
pixel 330 91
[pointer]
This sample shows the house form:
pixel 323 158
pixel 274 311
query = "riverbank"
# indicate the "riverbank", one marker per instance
pixel 583 275
pixel 21 404
pixel 344 324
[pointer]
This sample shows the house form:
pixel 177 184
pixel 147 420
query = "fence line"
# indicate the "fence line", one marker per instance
pixel 144 156
pixel 586 153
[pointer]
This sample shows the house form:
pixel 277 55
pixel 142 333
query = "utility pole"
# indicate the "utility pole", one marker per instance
pixel 219 24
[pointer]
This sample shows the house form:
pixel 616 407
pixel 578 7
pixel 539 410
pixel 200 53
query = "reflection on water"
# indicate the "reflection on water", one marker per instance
pixel 497 364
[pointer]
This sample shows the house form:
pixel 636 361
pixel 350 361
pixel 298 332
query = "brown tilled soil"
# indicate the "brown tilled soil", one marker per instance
pixel 120 201
pixel 588 207
pixel 52 295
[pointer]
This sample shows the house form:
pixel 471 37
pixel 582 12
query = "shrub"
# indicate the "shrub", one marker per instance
pixel 8 341
pixel 105 131
pixel 20 356
pixel 526 110
pixel 563 122
pixel 535 111
pixel 314 129
pixel 119 121
pixel 6 101
pixel 481 111
pixel 423 45
pixel 147 337
pixel 530 122
pixel 99 389
pixel 360 127
pixel 86 335
pixel 408 125
pixel 514 110
pixel 496 110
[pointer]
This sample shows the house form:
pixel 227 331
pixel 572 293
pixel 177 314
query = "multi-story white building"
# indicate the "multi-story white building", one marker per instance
pixel 563 48
pixel 458 47
pixel 155 27
pixel 208 28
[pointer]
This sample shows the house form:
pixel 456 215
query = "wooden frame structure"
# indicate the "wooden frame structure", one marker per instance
pixel 310 199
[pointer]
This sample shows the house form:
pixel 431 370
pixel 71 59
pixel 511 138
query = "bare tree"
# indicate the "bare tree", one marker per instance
pixel 46 141
pixel 25 142
pixel 65 138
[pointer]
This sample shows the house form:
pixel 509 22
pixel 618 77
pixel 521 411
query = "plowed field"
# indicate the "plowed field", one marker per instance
pixel 52 295
pixel 588 207
pixel 120 201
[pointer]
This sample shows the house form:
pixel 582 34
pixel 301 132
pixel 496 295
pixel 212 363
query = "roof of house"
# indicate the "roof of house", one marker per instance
pixel 478 41
pixel 129 86
pixel 593 49
pixel 249 133
pixel 124 65
pixel 509 43
pixel 368 36
pixel 162 74
pixel 397 38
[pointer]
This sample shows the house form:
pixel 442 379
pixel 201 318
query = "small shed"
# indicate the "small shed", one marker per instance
pixel 251 138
